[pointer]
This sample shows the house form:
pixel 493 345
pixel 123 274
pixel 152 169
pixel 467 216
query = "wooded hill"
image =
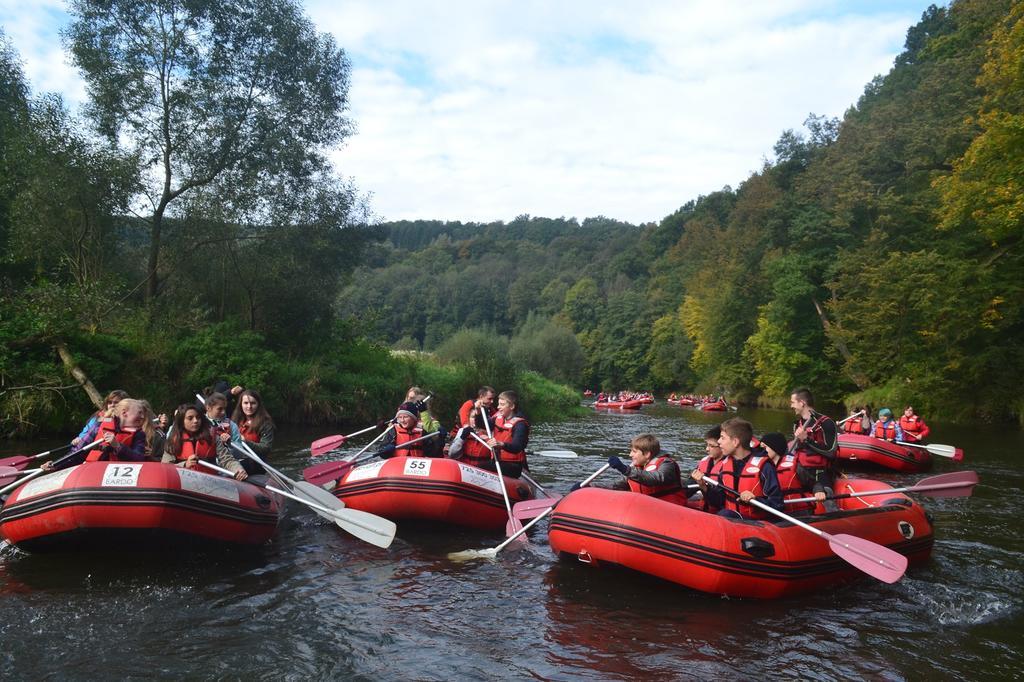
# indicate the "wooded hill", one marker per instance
pixel 875 259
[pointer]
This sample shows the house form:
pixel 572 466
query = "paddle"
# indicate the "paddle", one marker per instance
pixel 855 414
pixel 872 558
pixel 20 461
pixel 556 454
pixel 936 449
pixel 323 473
pixel 368 527
pixel 367 446
pixel 535 484
pixel 956 484
pixel 364 526
pixel 38 472
pixel 468 554
pixel 528 509
pixel 513 526
pixel 8 474
pixel 328 443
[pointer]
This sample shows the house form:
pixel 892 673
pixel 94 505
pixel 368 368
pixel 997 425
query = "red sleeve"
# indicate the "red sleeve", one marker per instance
pixel 464 413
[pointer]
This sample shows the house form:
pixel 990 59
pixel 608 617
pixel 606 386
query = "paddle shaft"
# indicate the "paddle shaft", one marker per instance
pixel 934 448
pixel 534 483
pixel 817 531
pixel 12 486
pixel 497 465
pixel 344 518
pixel 367 446
pixel 547 511
pixel 283 493
pixel 361 432
pixel 855 414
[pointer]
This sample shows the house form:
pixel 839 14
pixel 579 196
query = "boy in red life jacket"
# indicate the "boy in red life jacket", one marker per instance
pixel 886 427
pixel 815 449
pixel 710 465
pixel 650 474
pixel 751 475
pixel 914 428
pixel 775 446
pixel 510 433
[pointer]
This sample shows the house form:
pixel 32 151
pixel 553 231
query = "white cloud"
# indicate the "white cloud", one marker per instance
pixel 485 110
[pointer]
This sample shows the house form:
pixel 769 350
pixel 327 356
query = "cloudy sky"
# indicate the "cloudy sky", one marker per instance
pixel 477 110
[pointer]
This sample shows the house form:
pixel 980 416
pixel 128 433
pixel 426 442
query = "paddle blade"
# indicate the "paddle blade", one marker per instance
pixel 8 474
pixel 557 454
pixel 316 494
pixel 528 509
pixel 370 528
pixel 872 558
pixel 956 484
pixel 19 462
pixel 472 554
pixel 326 444
pixel 320 474
pixel 511 528
pixel 944 451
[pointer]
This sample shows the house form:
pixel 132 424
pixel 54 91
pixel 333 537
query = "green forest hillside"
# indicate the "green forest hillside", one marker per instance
pixel 189 226
pixel 875 258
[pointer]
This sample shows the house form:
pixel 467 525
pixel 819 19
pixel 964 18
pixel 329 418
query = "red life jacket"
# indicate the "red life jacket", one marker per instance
pixel 108 453
pixel 789 483
pixel 707 463
pixel 670 492
pixel 816 434
pixel 402 436
pixel 715 472
pixel 886 430
pixel 853 425
pixel 749 479
pixel 503 434
pixel 915 427
pixel 190 445
pixel 248 433
pixel 474 452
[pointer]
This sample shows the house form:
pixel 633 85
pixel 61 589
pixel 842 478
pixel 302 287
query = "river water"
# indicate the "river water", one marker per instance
pixel 317 604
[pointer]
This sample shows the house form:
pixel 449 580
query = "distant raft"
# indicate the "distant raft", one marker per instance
pixel 433 490
pixel 132 504
pixel 861 449
pixel 620 404
pixel 710 553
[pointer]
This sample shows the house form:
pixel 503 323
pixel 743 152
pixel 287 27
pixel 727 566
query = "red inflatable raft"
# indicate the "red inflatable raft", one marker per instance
pixel 127 503
pixel 854 447
pixel 431 489
pixel 714 407
pixel 714 554
pixel 620 404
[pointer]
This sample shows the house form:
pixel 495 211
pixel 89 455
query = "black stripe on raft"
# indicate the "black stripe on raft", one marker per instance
pixel 699 555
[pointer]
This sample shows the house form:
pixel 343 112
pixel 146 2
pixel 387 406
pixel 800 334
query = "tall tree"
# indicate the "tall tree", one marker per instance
pixel 242 95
